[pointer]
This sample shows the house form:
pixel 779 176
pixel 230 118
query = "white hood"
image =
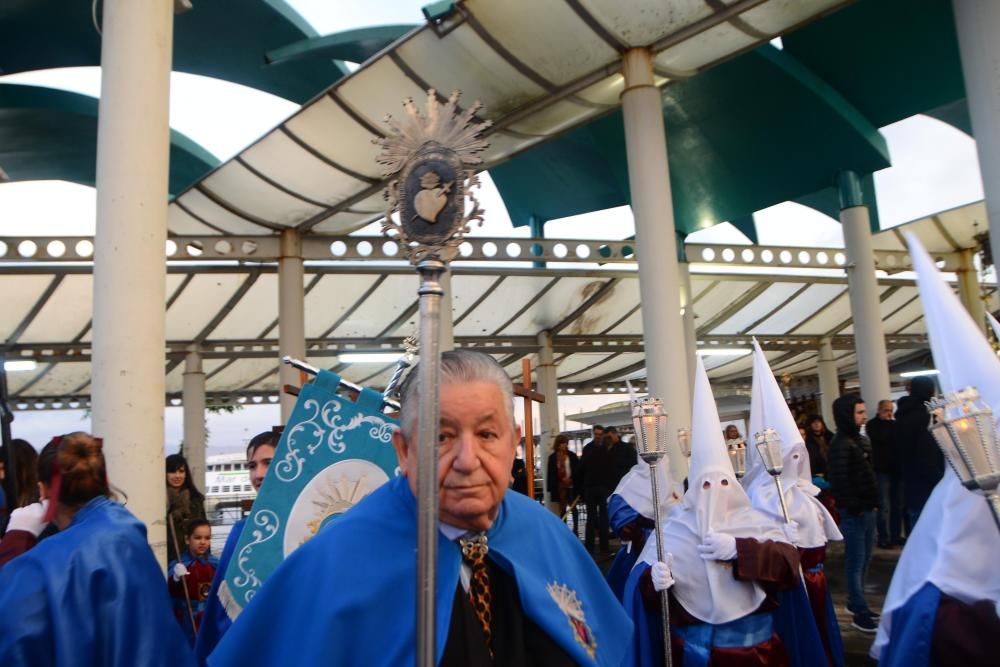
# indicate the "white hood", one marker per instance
pixel 707 589
pixel 955 543
pixel 769 410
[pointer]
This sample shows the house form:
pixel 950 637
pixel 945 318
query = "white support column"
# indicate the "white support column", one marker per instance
pixel 829 383
pixel 129 340
pixel 869 338
pixel 968 287
pixel 690 333
pixel 656 246
pixel 548 386
pixel 193 398
pixel 976 23
pixel 447 314
pixel 291 314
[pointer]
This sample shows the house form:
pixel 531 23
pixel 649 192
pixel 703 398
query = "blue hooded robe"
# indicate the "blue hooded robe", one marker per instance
pixel 92 595
pixel 620 514
pixel 348 596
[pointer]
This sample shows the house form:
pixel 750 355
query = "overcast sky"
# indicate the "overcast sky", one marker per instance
pixel 935 169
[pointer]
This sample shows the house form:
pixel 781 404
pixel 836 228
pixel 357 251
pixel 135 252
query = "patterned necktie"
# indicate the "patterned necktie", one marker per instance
pixel 474 554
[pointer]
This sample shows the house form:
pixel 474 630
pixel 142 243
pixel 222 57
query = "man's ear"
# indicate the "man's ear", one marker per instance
pixel 517 435
pixel 402 449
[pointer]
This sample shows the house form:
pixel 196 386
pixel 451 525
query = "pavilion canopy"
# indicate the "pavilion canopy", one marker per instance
pixel 230 312
pixel 540 69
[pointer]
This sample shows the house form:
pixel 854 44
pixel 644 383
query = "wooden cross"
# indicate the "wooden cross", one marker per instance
pixel 528 394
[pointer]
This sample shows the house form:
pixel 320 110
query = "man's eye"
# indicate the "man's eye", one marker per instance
pixel 487 435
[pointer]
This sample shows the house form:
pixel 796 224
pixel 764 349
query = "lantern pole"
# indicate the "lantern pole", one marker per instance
pixel 649 421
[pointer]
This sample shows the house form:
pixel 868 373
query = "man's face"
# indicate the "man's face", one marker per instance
pixel 598 434
pixel 258 464
pixel 476 445
pixel 199 541
pixel 885 411
pixel 859 414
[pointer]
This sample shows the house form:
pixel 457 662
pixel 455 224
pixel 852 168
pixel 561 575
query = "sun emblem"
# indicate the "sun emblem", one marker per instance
pixel 431 160
pixel 335 498
pixel 570 605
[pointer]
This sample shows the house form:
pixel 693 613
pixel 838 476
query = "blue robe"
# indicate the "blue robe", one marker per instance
pixel 215 622
pixel 795 624
pixel 90 595
pixel 348 595
pixel 913 630
pixel 620 514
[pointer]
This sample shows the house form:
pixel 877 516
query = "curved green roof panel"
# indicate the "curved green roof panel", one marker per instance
pixel 48 134
pixel 224 39
pixel 753 132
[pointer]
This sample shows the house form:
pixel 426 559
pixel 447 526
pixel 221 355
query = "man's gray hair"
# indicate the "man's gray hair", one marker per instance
pixel 456 366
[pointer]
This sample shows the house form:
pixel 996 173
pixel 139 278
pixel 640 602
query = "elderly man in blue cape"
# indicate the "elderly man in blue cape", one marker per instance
pixel 348 596
pixel 724 563
pixel 943 605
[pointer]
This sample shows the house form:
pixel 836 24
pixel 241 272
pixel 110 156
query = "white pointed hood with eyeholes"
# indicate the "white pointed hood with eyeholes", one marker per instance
pixel 769 410
pixel 714 502
pixel 955 543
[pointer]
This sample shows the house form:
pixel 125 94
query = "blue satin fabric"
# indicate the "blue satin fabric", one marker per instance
pixel 913 630
pixel 215 622
pixel 92 595
pixel 796 626
pixel 620 514
pixel 832 629
pixel 741 633
pixel 347 596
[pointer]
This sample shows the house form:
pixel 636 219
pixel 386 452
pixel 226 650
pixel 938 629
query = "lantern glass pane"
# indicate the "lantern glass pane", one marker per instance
pixel 972 446
pixel 943 435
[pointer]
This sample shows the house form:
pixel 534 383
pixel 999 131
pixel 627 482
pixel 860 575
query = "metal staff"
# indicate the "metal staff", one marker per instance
pixel 430 162
pixel 650 423
pixel 768 445
pixel 187 595
pixel 312 370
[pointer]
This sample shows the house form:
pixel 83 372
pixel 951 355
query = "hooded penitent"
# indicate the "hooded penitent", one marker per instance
pixel 955 542
pixel 636 490
pixel 769 410
pixel 714 502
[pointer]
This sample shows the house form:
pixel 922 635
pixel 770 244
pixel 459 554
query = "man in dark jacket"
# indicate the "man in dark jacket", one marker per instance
pixel 882 433
pixel 596 470
pixel 623 457
pixel 922 463
pixel 852 481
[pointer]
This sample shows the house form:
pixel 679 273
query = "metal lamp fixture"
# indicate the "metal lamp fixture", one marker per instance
pixel 684 441
pixel 650 423
pixel 738 455
pixel 964 428
pixel 768 444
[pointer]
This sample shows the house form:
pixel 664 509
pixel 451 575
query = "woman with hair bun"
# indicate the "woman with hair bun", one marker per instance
pixel 93 594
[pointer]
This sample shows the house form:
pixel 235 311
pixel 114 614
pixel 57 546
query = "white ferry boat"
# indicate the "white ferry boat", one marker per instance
pixel 228 494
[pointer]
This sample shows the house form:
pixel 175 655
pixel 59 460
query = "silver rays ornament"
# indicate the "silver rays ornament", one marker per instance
pixel 430 161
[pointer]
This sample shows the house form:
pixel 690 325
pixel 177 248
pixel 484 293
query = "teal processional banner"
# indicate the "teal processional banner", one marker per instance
pixel 332 453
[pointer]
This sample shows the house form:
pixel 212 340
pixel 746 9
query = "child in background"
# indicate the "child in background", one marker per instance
pixel 194 570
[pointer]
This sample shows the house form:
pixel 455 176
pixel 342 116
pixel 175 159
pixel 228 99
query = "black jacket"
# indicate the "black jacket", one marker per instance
pixel 596 469
pixel 882 434
pixel 623 457
pixel 850 471
pixel 921 461
pixel 552 475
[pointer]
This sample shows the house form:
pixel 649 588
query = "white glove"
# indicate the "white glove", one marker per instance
pixel 661 575
pixel 30 518
pixel 791 532
pixel 718 546
pixel 180 571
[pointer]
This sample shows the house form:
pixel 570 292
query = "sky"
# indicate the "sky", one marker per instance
pixel 935 169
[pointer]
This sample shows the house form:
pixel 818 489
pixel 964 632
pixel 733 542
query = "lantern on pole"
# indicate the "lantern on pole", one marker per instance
pixel 684 442
pixel 738 456
pixel 964 428
pixel 768 445
pixel 650 423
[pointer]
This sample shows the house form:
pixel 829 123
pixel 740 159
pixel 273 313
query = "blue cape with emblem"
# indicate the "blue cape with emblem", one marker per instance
pixel 348 596
pixel 91 595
